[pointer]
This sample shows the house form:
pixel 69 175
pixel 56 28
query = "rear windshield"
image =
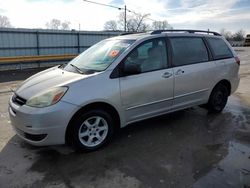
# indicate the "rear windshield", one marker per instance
pixel 219 48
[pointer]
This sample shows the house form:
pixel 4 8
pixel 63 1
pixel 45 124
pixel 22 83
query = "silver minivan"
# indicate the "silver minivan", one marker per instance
pixel 122 80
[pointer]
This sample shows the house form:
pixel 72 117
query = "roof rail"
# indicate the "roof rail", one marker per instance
pixel 185 30
pixel 127 33
pixel 130 33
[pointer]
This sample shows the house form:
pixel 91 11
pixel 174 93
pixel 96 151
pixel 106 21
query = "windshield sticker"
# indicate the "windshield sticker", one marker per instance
pixel 114 53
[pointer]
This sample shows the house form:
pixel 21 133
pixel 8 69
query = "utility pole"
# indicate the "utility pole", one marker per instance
pixel 119 8
pixel 125 18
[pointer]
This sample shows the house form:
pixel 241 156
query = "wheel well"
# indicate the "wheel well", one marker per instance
pixel 97 105
pixel 225 83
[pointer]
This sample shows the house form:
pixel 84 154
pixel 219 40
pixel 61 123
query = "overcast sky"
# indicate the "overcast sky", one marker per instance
pixel 195 14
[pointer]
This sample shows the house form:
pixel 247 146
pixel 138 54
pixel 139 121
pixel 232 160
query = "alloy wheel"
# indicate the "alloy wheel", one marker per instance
pixel 93 131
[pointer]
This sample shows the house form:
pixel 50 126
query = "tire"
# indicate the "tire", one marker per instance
pixel 91 130
pixel 218 99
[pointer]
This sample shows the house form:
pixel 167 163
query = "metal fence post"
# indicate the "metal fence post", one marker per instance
pixel 78 42
pixel 37 43
pixel 38 46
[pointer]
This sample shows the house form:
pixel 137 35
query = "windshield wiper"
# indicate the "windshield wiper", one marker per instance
pixel 77 68
pixel 62 65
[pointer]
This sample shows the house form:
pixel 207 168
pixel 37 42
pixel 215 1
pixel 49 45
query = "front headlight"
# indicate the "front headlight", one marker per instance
pixel 47 98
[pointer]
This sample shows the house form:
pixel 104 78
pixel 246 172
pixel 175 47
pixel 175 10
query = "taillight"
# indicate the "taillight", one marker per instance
pixel 237 59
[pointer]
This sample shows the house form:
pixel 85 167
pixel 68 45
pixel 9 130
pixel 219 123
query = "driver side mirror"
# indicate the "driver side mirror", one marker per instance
pixel 131 69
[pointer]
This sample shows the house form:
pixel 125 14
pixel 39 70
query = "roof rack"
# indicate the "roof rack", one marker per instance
pixel 130 33
pixel 184 30
pixel 127 33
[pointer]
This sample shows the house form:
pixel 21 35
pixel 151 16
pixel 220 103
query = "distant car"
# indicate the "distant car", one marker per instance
pixel 122 80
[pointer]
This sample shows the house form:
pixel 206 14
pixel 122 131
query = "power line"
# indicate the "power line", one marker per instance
pixel 119 8
pixel 106 5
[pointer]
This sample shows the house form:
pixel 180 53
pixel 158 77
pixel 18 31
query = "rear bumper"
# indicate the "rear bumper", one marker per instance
pixel 234 84
pixel 41 126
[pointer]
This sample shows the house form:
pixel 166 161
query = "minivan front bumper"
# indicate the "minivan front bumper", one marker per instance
pixel 41 126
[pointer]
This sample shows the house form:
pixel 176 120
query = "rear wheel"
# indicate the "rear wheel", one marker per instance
pixel 218 98
pixel 91 130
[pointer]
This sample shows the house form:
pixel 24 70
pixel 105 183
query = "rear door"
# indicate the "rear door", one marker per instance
pixel 150 92
pixel 193 72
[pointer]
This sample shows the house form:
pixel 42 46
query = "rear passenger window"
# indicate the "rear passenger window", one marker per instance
pixel 188 50
pixel 219 48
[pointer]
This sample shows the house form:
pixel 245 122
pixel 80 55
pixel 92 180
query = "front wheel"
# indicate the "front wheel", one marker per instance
pixel 218 98
pixel 91 130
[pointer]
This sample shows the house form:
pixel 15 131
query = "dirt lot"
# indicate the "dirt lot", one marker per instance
pixel 190 148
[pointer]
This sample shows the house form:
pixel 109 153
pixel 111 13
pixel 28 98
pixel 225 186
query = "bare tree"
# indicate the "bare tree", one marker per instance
pixel 226 34
pixel 4 21
pixel 65 25
pixel 135 22
pixel 158 25
pixel 111 25
pixel 239 35
pixel 58 24
pixel 53 24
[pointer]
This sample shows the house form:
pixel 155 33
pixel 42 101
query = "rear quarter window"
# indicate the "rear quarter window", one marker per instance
pixel 219 48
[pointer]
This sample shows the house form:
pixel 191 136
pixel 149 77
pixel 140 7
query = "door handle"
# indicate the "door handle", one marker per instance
pixel 167 75
pixel 180 71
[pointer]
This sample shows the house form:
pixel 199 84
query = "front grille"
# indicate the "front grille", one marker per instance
pixel 18 100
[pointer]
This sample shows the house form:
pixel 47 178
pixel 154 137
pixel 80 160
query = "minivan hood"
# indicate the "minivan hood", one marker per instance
pixel 46 79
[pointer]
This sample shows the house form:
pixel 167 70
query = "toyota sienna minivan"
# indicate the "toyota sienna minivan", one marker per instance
pixel 121 80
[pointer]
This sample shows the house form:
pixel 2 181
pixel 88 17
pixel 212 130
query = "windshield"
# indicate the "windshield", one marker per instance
pixel 99 56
